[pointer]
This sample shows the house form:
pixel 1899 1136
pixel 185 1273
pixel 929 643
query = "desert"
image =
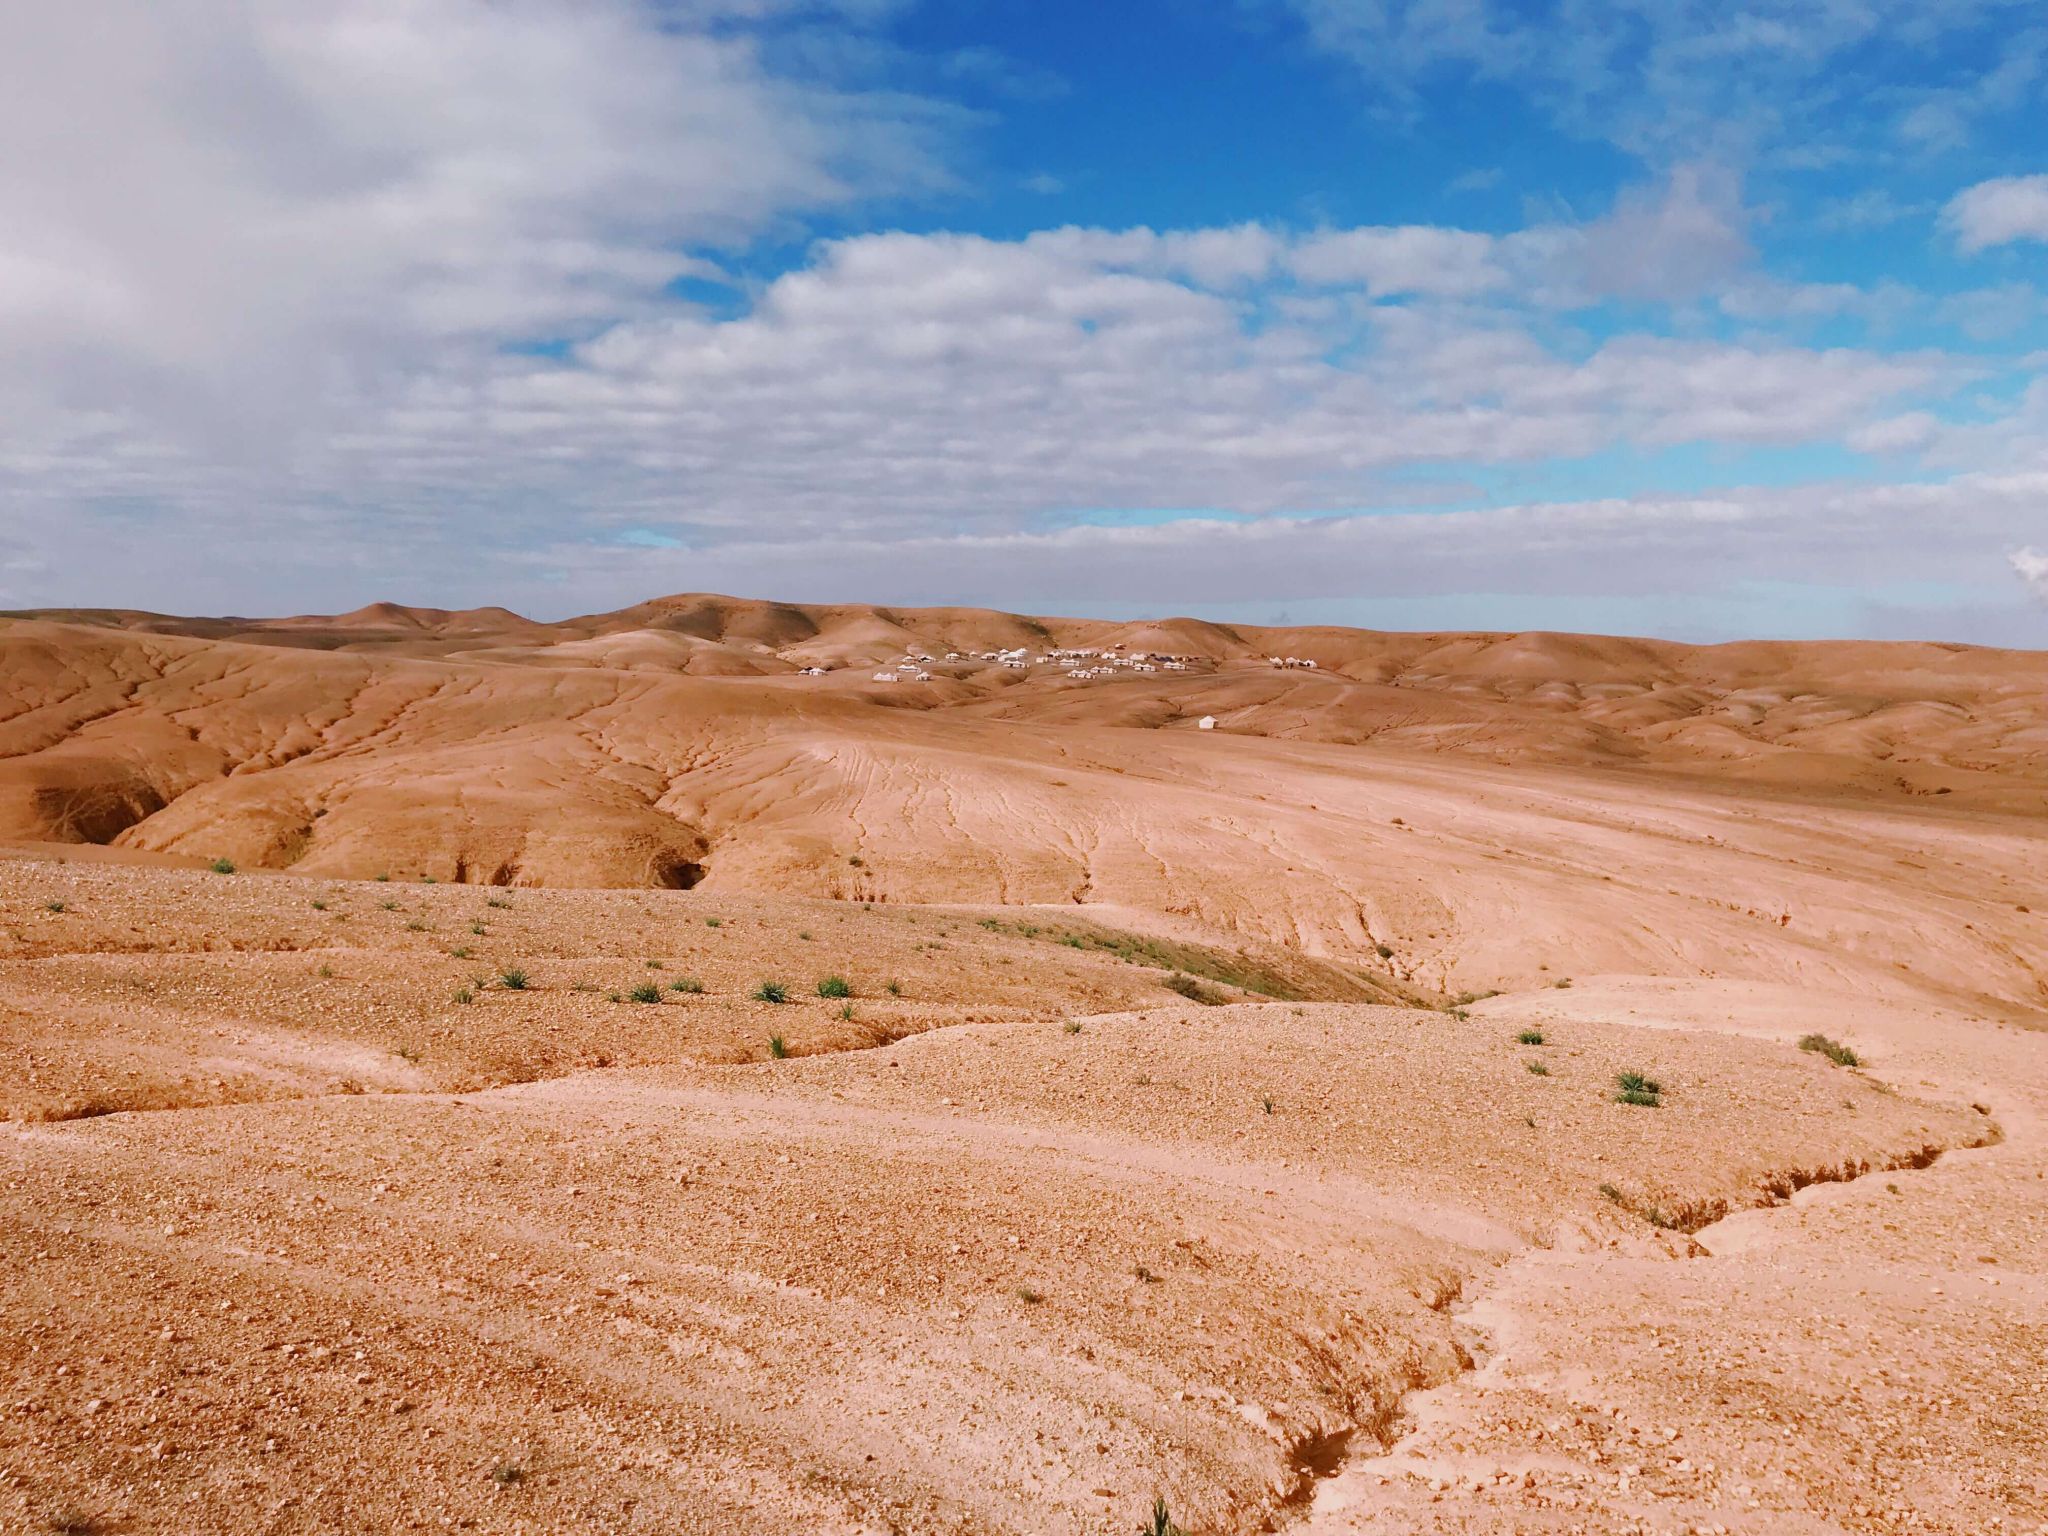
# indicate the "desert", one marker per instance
pixel 641 1073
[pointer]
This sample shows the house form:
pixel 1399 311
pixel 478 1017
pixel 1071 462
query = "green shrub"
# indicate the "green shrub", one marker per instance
pixel 1073 1026
pixel 646 992
pixel 319 906
pixel 1537 1068
pixel 1161 1523
pixel 894 989
pixel 688 984
pixel 1192 989
pixel 464 995
pixel 712 922
pixel 1834 1050
pixel 53 906
pixel 1638 1089
pixel 778 1048
pixel 1529 1037
pixel 222 866
pixel 513 980
pixel 771 992
pixel 834 986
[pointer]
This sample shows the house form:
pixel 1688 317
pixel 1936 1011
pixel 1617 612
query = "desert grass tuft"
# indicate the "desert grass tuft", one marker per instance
pixel 514 980
pixel 1638 1089
pixel 778 1048
pixel 1529 1037
pixel 834 986
pixel 1834 1050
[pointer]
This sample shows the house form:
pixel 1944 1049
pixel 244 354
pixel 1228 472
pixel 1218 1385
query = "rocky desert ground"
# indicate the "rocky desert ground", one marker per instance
pixel 733 1067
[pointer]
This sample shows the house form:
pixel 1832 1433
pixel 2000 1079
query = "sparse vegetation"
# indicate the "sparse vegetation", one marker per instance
pixel 1384 951
pixel 478 929
pixel 771 992
pixel 713 922
pixel 464 995
pixel 1161 1523
pixel 1266 1102
pixel 53 906
pixel 1834 1050
pixel 894 989
pixel 387 906
pixel 222 866
pixel 507 1476
pixel 1537 1068
pixel 689 984
pixel 499 902
pixel 646 992
pixel 778 1048
pixel 1073 1026
pixel 415 926
pixel 324 972
pixel 1192 989
pixel 460 952
pixel 834 986
pixel 319 906
pixel 514 980
pixel 1638 1089
pixel 1529 1037
pixel 654 965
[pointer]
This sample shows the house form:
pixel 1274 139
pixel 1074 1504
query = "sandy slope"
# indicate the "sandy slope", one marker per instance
pixel 1162 1147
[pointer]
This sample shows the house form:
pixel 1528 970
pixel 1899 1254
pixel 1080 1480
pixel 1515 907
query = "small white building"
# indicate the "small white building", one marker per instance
pixel 1206 723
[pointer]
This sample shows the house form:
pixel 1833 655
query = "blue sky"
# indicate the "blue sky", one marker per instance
pixel 1599 314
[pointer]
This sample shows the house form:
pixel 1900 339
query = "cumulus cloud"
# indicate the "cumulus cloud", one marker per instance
pixel 1999 212
pixel 2031 566
pixel 351 298
pixel 262 202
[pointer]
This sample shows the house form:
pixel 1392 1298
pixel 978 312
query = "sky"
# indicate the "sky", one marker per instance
pixel 1667 317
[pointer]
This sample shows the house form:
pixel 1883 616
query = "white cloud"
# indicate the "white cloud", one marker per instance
pixel 1415 259
pixel 270 203
pixel 1677 79
pixel 1999 212
pixel 2031 566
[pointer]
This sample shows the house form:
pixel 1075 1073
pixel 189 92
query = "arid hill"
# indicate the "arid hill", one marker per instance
pixel 651 1074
